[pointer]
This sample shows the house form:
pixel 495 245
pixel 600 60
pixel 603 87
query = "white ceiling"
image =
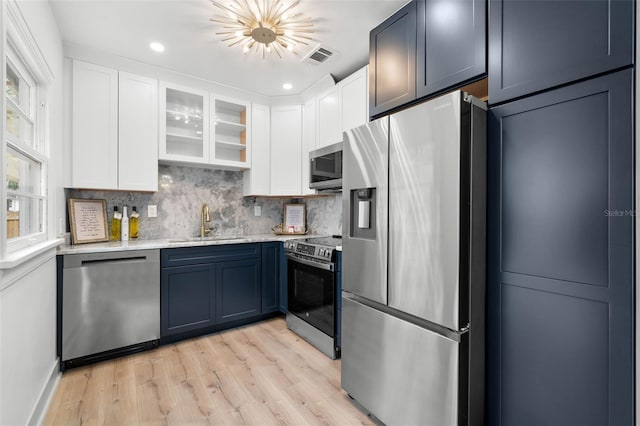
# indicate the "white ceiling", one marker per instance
pixel 126 28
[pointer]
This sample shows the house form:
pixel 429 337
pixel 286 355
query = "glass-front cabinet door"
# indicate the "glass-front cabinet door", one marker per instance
pixel 184 124
pixel 231 132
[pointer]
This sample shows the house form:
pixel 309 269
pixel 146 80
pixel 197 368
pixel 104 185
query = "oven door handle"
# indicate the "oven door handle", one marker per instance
pixel 325 266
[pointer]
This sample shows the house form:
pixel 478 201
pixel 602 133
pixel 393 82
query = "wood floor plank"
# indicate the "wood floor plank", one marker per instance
pixel 262 374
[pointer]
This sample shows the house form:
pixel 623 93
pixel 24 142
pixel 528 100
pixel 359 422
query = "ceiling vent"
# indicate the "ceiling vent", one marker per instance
pixel 318 55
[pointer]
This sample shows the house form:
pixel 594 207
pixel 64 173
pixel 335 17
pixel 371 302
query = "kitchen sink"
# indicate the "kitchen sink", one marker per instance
pixel 191 239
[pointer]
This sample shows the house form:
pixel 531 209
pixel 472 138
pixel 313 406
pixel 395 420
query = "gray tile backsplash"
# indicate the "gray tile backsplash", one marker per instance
pixel 183 190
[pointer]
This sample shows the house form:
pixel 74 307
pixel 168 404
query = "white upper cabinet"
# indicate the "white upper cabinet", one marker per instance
pixel 138 133
pixel 308 142
pixel 199 128
pixel 354 100
pixel 114 129
pixel 184 124
pixel 257 180
pixel 341 108
pixel 94 127
pixel 286 150
pixel 231 131
pixel 329 128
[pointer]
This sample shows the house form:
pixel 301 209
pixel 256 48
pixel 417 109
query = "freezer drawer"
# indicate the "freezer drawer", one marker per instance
pixel 403 374
pixel 109 301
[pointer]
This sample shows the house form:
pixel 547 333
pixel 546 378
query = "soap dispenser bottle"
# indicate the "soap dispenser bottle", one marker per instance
pixel 124 226
pixel 115 224
pixel 133 223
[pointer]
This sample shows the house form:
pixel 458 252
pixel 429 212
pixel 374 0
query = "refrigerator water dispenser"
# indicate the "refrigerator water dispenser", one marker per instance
pixel 363 208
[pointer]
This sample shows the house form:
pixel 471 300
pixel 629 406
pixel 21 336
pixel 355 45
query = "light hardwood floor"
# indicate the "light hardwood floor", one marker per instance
pixel 260 374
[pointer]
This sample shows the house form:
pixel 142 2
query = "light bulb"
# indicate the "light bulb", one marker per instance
pixel 239 33
pixel 245 49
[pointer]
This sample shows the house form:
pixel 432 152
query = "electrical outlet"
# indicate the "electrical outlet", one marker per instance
pixel 152 210
pixel 257 210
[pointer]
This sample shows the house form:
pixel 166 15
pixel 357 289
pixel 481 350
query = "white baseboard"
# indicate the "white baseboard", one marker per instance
pixel 46 395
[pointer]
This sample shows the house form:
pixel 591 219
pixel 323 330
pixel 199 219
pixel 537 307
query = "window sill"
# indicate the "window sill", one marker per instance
pixel 19 257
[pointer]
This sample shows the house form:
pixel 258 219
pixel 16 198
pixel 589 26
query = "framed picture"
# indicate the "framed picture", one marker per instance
pixel 88 221
pixel 295 219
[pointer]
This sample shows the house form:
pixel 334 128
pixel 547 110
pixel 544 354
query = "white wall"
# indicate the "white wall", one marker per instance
pixel 28 343
pixel 28 362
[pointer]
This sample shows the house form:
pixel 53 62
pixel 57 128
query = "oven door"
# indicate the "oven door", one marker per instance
pixel 311 293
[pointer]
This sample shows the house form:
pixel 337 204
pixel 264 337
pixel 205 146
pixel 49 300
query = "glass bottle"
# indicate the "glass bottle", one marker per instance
pixel 133 223
pixel 124 225
pixel 115 224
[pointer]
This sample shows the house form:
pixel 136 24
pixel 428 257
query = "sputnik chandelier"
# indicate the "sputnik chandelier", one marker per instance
pixel 263 26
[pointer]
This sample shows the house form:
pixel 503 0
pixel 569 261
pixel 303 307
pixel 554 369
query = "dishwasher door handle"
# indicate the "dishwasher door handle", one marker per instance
pixel 117 260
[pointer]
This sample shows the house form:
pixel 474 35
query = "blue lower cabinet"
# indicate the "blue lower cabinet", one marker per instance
pixel 270 277
pixel 187 298
pixel 205 289
pixel 238 290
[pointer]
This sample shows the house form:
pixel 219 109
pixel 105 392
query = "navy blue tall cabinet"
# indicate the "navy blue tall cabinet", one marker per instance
pixel 561 284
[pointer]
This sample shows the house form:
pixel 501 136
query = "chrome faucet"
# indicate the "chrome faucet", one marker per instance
pixel 204 217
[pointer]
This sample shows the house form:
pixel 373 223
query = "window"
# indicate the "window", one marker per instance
pixel 26 160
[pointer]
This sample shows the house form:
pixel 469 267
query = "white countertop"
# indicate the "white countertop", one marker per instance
pixel 172 243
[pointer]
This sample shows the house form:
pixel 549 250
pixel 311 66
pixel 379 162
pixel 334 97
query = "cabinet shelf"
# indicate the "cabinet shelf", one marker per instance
pixel 176 137
pixel 231 145
pixel 229 126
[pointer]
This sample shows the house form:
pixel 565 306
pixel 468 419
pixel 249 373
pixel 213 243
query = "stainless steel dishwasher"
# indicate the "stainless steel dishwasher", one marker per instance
pixel 110 304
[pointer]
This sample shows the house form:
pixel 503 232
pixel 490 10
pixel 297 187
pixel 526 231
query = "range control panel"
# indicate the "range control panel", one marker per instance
pixel 311 250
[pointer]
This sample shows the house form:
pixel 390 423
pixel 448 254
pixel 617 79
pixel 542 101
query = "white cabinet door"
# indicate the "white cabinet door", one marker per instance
pixel 184 124
pixel 354 99
pixel 329 128
pixel 94 129
pixel 308 142
pixel 138 133
pixel 257 179
pixel 286 150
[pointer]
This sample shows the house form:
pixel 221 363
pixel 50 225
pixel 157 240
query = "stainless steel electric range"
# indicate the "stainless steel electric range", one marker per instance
pixel 313 291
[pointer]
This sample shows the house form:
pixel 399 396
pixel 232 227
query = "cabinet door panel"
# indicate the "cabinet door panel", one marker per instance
pixel 184 124
pixel 353 100
pixel 94 127
pixel 392 61
pixel 308 142
pixel 187 298
pixel 560 290
pixel 238 290
pixel 538 44
pixel 329 127
pixel 257 179
pixel 451 43
pixel 270 276
pixel 138 133
pixel 286 150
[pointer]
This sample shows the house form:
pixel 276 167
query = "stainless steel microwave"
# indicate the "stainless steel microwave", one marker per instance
pixel 325 168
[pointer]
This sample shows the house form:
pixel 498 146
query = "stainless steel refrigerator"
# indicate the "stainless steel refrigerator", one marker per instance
pixel 413 297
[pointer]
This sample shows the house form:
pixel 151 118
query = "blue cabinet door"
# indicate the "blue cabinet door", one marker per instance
pixel 238 290
pixel 270 277
pixel 561 246
pixel 392 61
pixel 538 44
pixel 451 45
pixel 187 298
pixel 284 273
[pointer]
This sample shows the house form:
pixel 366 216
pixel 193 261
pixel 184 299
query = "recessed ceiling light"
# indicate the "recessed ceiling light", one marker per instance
pixel 287 86
pixel 156 47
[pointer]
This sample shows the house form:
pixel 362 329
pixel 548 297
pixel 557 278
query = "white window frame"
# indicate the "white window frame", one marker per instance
pixel 21 50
